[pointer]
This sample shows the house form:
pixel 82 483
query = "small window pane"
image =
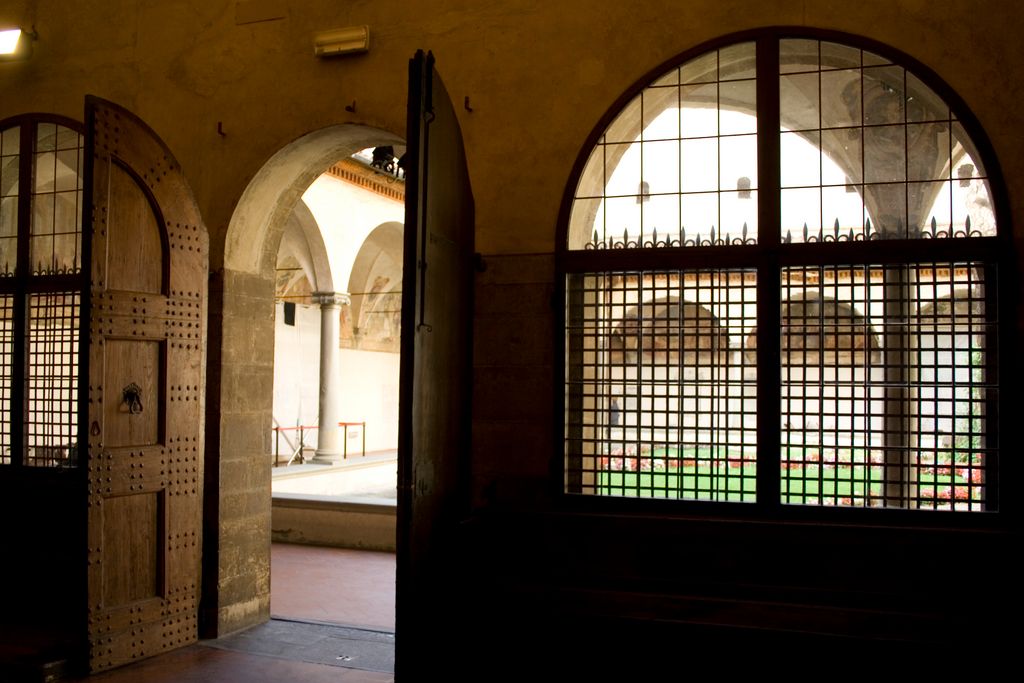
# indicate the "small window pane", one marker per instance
pixel 835 56
pixel 42 258
pixel 626 126
pixel 10 141
pixel 738 97
pixel 871 59
pixel 699 215
pixel 737 62
pixel 842 212
pixel 965 152
pixel 45 169
pixel 67 253
pixel 661 166
pixel 592 179
pixel 923 104
pixel 738 217
pixel 928 149
pixel 622 220
pixel 586 224
pixel 661 118
pixel 698 117
pixel 622 170
pixel 661 219
pixel 46 137
pixel 885 154
pixel 703 69
pixel 798 55
pixel 842 160
pixel 42 214
pixel 886 206
pixel 665 126
pixel 973 213
pixel 738 161
pixel 930 207
pixel 9 176
pixel 52 383
pixel 8 216
pixel 699 165
pixel 8 256
pixel 66 171
pixel 801 215
pixel 883 95
pixel 68 138
pixel 840 97
pixel 669 79
pixel 67 217
pixel 798 101
pixel 800 158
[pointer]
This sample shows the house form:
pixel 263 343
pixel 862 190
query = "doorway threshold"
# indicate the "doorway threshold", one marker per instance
pixel 349 647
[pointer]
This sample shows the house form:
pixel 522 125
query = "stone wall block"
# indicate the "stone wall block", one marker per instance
pixel 512 393
pixel 512 341
pixel 530 298
pixel 516 269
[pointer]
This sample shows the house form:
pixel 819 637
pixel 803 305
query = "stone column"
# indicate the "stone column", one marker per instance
pixel 329 446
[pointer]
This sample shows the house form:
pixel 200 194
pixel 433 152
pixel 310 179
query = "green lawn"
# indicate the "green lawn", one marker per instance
pixel 697 474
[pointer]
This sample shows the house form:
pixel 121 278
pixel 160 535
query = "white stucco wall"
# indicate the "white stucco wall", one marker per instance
pixel 296 371
pixel 368 384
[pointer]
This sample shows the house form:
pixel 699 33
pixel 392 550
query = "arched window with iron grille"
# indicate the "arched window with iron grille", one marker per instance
pixel 835 209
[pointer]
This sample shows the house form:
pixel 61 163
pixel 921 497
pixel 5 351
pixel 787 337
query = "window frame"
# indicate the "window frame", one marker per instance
pixel 770 257
pixel 24 284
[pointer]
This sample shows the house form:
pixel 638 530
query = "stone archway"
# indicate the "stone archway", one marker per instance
pixel 302 241
pixel 236 565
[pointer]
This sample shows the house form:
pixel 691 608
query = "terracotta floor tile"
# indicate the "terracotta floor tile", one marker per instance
pixel 354 587
pixel 201 664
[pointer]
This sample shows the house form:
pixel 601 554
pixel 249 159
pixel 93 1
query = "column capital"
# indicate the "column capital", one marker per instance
pixel 331 298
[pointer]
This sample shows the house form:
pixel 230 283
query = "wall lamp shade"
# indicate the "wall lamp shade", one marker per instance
pixel 342 41
pixel 15 44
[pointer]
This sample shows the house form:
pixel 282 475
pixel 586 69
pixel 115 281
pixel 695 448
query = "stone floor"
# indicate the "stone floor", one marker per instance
pixel 308 584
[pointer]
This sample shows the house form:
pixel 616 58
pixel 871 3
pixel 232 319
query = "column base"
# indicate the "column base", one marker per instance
pixel 327 458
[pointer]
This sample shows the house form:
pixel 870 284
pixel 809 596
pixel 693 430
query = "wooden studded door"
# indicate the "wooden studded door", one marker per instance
pixel 147 312
pixel 437 353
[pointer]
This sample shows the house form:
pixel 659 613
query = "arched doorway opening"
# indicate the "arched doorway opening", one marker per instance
pixel 237 534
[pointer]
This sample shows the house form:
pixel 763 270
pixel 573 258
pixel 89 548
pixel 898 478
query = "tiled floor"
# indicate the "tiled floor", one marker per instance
pixel 201 664
pixel 354 587
pixel 351 587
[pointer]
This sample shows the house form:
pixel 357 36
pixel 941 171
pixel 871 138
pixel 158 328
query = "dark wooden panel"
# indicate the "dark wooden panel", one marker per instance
pixel 436 362
pixel 133 540
pixel 132 363
pixel 134 247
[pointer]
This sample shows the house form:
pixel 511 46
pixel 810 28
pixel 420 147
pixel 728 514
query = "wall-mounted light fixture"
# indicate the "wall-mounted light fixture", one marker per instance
pixel 15 44
pixel 342 41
